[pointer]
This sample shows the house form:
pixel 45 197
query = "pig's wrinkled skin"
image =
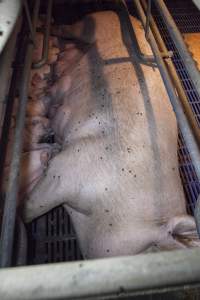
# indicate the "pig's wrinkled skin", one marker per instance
pixel 36 129
pixel 117 174
pixel 33 165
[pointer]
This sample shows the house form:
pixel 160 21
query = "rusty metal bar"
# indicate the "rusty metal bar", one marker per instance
pixel 45 49
pixel 148 19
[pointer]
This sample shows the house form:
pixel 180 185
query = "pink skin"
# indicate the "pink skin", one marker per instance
pixel 33 165
pixel 58 123
pixel 37 53
pixel 53 55
pixel 35 128
pixel 53 42
pixel 36 108
pixel 56 93
pixel 68 59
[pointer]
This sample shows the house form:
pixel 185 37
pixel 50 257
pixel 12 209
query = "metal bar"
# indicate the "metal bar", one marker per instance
pixel 9 214
pixel 29 19
pixel 197 214
pixel 45 49
pixel 7 100
pixel 180 45
pixel 147 19
pixel 121 276
pixel 21 247
pixel 175 79
pixel 142 58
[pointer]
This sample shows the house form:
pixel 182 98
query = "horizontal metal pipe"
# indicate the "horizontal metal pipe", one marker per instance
pixel 103 277
pixel 180 45
pixel 9 214
pixel 45 50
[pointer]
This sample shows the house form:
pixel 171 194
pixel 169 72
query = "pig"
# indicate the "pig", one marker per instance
pixel 67 59
pixel 117 174
pixel 33 165
pixel 36 129
pixel 192 40
pixel 36 108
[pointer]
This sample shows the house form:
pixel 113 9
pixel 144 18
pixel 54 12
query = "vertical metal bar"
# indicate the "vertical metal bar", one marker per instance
pixel 9 214
pixel 147 19
pixel 143 58
pixel 29 19
pixel 45 49
pixel 180 45
pixel 8 100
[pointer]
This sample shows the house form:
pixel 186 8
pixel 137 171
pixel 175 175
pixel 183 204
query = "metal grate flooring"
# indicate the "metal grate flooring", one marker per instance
pixel 52 237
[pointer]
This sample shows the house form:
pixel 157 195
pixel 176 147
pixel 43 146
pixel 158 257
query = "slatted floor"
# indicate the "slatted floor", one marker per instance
pixel 51 237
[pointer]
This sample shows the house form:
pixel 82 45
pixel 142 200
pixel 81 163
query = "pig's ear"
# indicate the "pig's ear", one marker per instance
pixel 183 230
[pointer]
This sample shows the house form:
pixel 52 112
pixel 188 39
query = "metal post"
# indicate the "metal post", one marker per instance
pixel 9 214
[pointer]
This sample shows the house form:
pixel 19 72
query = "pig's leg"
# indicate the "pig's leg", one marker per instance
pixel 179 232
pixel 50 190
